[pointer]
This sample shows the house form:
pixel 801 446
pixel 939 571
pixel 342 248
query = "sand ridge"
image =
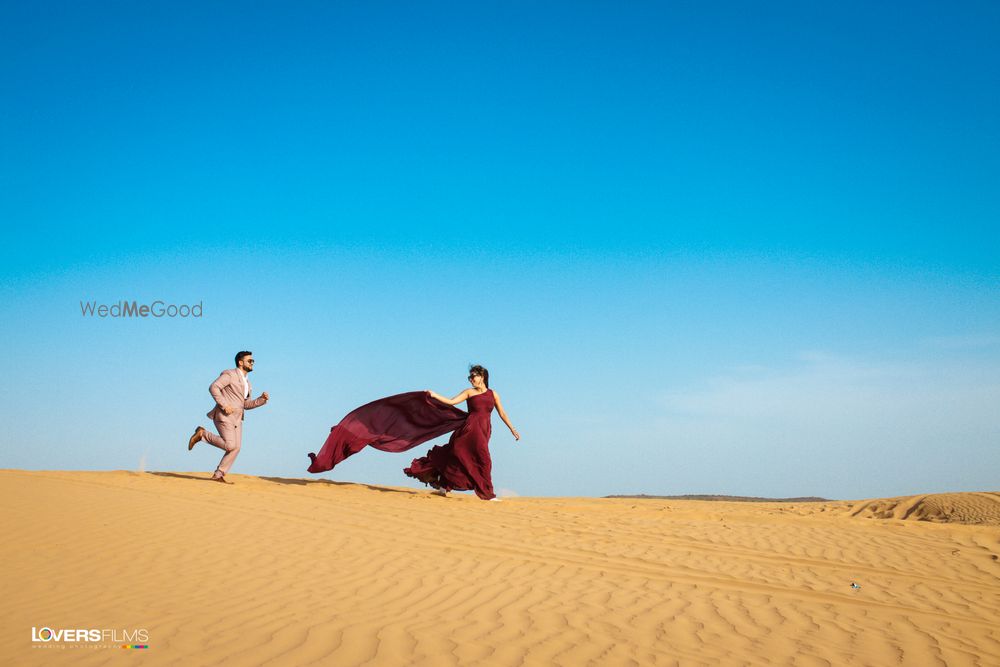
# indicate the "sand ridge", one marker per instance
pixel 980 508
pixel 295 572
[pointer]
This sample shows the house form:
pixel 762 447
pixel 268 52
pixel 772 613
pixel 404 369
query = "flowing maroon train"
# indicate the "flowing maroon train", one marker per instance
pixel 401 422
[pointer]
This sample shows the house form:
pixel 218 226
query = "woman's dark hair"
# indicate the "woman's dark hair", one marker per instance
pixel 240 355
pixel 479 370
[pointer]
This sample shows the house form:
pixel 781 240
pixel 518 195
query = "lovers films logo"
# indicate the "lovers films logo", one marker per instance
pixel 111 637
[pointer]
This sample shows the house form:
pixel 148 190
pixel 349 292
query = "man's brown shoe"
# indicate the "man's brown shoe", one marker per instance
pixel 199 433
pixel 221 479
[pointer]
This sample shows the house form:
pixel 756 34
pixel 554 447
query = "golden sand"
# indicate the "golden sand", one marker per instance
pixel 311 572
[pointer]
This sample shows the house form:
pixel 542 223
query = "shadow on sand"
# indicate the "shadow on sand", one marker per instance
pixel 182 476
pixel 305 482
pixel 295 482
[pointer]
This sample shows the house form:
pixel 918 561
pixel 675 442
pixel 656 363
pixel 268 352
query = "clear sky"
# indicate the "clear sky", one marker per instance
pixel 702 247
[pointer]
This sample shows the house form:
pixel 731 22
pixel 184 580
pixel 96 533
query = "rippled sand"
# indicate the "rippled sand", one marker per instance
pixel 295 572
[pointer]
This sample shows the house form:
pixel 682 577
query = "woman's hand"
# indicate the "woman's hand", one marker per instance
pixel 517 436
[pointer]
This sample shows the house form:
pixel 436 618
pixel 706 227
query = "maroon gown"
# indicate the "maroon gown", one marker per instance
pixel 464 463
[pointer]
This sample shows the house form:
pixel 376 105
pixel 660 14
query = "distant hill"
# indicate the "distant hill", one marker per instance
pixel 738 499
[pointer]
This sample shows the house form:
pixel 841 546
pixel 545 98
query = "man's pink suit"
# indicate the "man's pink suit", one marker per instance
pixel 228 390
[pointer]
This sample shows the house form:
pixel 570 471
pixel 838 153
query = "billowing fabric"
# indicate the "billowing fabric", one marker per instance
pixel 392 424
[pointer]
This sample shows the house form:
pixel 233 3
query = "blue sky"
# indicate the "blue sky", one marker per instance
pixel 702 247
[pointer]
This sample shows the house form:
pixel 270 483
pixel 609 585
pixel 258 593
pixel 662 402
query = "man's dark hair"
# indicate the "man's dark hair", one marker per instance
pixel 240 355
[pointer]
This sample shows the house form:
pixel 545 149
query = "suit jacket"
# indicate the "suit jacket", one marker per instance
pixel 228 390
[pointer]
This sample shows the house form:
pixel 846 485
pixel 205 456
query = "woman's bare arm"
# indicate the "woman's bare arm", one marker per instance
pixel 450 401
pixel 503 416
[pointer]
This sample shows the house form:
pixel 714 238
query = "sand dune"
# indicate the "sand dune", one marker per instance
pixel 971 508
pixel 296 572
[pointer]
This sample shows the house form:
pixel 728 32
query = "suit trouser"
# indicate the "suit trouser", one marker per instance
pixel 229 439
